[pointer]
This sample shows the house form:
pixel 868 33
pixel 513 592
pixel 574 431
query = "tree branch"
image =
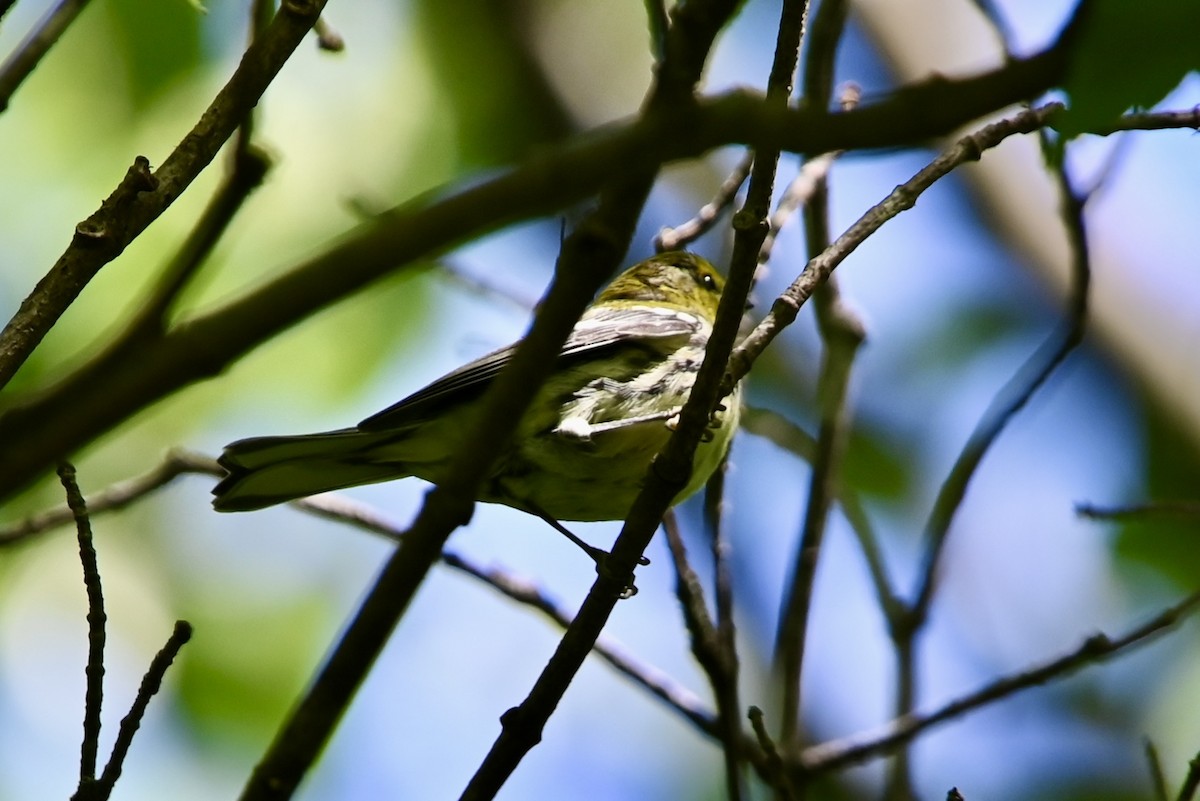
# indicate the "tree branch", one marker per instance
pixel 142 196
pixel 1097 648
pixel 21 62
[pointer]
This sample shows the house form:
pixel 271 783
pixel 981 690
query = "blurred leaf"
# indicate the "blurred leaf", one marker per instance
pixel 495 88
pixel 875 465
pixel 872 465
pixel 244 667
pixel 1169 546
pixel 159 42
pixel 963 336
pixel 1128 55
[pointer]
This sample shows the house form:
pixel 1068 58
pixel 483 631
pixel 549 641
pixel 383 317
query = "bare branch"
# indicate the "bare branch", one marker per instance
pixel 1157 778
pixel 787 306
pixel 1161 510
pixel 1191 782
pixel 151 682
pixel 716 658
pixel 1012 397
pixel 527 592
pixel 96 620
pixel 142 197
pixel 1097 648
pixel 21 63
pixel 841 334
pixel 117 496
pixel 683 235
pixel 776 775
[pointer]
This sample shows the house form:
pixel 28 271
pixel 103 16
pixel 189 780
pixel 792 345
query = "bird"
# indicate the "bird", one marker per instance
pixel 581 451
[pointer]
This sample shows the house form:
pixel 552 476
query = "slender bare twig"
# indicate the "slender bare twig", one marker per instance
pixel 718 662
pixel 139 200
pixel 803 186
pixel 1157 778
pixel 1191 782
pixel 247 167
pixel 787 306
pixel 151 682
pixel 789 436
pixel 841 334
pixel 1160 510
pixel 683 235
pixel 96 619
pixel 1013 396
pixel 780 781
pixel 527 592
pixel 22 61
pixel 1097 648
pixel 117 496
pixel 723 572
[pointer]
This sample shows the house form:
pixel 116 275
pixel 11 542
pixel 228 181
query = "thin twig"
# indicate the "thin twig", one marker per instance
pixel 1013 396
pixel 143 196
pixel 1159 510
pixel 151 682
pixel 1157 778
pixel 836 754
pixel 841 335
pixel 803 186
pixel 790 437
pixel 780 781
pixel 1191 782
pixel 246 168
pixel 527 592
pixel 116 496
pixel 22 62
pixel 683 235
pixel 787 306
pixel 714 505
pixel 96 619
pixel 719 664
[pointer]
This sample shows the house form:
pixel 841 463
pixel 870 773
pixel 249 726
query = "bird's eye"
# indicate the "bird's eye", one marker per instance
pixel 708 281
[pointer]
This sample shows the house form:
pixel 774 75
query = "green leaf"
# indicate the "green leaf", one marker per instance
pixel 158 42
pixel 1128 55
pixel 1168 545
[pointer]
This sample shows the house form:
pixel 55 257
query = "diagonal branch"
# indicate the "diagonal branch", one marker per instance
pixel 22 62
pixel 1097 648
pixel 143 196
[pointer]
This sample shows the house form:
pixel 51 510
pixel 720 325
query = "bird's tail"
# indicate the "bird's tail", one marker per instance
pixel 264 471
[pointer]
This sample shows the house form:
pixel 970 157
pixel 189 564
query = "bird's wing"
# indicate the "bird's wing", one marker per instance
pixel 600 331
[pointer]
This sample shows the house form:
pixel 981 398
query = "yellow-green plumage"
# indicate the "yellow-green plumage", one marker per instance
pixel 581 451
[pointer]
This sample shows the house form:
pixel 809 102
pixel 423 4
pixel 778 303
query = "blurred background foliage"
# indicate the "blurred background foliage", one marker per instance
pixel 428 93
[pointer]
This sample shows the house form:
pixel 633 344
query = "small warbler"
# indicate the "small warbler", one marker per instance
pixel 582 449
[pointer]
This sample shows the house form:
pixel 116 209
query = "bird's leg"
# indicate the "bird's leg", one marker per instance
pixel 597 555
